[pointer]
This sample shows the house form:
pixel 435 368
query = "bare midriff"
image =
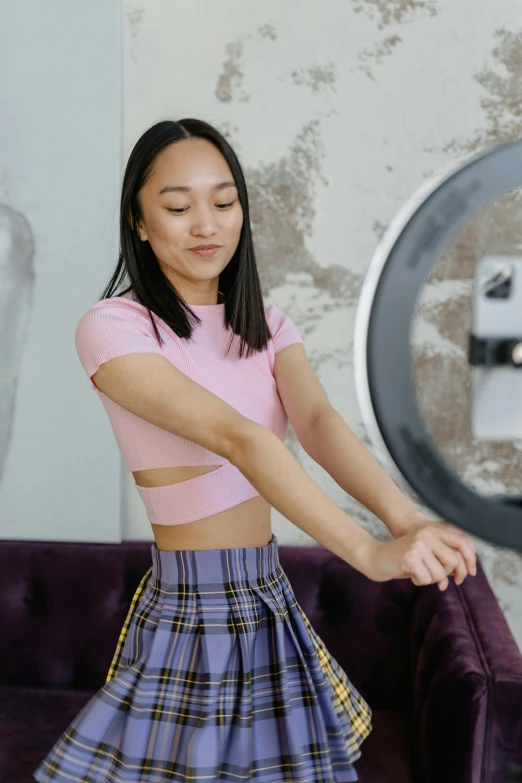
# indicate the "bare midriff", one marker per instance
pixel 244 525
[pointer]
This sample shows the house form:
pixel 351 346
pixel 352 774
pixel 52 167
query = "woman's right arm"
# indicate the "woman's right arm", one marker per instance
pixel 270 467
pixel 152 388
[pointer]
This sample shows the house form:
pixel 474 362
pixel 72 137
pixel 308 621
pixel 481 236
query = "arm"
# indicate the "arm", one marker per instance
pixel 278 477
pixel 152 388
pixel 328 440
pixel 440 548
pixel 333 445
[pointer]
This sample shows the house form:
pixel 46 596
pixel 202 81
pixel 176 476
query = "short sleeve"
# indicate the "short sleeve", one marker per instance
pixel 284 331
pixel 109 329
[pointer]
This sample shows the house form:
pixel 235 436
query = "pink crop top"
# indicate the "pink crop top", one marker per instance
pixel 120 325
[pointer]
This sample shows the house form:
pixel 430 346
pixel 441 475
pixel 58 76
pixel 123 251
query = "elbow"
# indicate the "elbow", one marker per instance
pixel 242 440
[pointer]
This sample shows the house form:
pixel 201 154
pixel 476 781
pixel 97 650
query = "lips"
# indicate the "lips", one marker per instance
pixel 205 251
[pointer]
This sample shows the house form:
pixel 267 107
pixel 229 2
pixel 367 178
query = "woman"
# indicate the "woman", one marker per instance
pixel 218 674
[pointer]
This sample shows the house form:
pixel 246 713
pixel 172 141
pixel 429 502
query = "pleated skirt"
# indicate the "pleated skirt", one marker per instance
pixel 217 675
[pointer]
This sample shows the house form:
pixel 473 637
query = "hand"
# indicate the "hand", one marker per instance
pixel 416 520
pixel 427 554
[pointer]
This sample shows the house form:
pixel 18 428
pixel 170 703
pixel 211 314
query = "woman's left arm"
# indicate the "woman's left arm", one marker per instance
pixel 327 439
pixel 332 444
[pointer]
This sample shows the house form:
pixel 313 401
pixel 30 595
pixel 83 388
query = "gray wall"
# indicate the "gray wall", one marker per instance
pixel 60 169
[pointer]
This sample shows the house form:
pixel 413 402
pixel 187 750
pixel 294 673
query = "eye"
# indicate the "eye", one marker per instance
pixel 180 211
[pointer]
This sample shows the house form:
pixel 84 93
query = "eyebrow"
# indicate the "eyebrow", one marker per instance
pixel 184 189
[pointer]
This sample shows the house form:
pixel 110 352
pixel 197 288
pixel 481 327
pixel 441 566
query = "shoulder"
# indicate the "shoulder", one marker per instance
pixel 283 329
pixel 108 314
pixel 114 327
pixel 275 317
pixel 274 314
pixel 122 304
pixel 112 321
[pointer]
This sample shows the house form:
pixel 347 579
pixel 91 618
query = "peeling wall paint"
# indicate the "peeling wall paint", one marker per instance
pixel 389 11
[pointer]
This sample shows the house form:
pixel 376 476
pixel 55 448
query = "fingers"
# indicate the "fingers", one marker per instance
pixel 423 568
pixel 447 543
pixel 461 571
pixel 451 560
pixel 433 566
pixel 423 581
pixel 431 560
pixel 443 584
pixel 463 543
pixel 439 550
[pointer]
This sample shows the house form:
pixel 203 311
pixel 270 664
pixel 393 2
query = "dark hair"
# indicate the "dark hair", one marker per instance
pixel 239 281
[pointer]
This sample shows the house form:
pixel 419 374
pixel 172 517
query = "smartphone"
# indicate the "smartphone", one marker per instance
pixel 496 397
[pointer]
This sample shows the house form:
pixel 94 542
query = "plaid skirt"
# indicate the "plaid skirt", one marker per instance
pixel 217 675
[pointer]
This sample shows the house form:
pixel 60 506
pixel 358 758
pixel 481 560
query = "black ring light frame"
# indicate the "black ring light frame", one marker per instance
pixel 382 358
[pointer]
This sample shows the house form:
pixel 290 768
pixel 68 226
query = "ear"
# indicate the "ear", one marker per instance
pixel 139 229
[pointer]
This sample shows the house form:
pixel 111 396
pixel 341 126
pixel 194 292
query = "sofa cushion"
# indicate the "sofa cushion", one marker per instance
pixel 53 599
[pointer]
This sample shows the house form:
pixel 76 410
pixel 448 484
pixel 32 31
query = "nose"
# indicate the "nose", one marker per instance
pixel 204 223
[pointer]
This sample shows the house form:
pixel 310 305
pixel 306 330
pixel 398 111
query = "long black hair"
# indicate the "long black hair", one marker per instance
pixel 238 282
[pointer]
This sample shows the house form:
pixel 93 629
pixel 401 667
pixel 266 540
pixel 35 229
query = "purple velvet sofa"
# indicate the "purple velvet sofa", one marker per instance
pixel 441 671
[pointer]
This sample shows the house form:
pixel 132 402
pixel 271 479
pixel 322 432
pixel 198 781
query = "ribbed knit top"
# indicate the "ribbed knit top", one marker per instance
pixel 121 325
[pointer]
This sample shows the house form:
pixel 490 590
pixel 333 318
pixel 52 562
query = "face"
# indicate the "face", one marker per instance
pixel 191 200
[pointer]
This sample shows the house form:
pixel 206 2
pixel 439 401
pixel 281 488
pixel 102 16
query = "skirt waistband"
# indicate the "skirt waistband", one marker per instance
pixel 210 566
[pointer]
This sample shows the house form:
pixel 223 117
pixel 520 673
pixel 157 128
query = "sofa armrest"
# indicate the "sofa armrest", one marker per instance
pixel 467 685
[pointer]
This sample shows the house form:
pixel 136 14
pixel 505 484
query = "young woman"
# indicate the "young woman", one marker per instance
pixel 218 674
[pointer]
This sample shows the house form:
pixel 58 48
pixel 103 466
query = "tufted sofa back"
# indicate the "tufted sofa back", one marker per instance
pixel 62 606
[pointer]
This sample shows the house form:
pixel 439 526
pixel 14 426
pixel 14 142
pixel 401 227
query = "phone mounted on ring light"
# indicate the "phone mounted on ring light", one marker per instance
pixel 492 352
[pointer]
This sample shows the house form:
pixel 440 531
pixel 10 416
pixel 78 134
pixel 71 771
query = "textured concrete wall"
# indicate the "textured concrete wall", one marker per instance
pixel 338 112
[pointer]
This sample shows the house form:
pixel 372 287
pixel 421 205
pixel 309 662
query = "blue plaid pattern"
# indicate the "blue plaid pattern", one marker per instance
pixel 217 675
